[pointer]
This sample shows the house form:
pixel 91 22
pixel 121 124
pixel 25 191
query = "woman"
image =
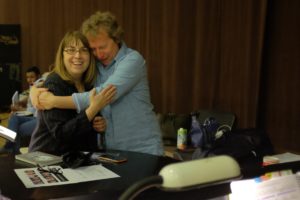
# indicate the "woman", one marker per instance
pixel 63 130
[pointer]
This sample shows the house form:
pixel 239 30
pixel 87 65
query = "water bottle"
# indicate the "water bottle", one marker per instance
pixel 196 132
pixel 181 139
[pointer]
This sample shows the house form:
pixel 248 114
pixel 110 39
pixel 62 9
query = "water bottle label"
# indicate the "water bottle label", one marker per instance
pixel 181 138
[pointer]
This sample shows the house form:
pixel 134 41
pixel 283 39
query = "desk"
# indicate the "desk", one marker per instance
pixel 139 166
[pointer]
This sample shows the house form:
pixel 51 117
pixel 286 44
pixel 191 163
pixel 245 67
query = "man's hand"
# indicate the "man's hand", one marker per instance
pixel 99 101
pixel 34 96
pixel 99 124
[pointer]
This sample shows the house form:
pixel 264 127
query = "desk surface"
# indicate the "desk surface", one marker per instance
pixel 139 166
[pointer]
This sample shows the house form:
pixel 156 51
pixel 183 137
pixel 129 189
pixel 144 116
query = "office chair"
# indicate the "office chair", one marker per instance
pixel 223 118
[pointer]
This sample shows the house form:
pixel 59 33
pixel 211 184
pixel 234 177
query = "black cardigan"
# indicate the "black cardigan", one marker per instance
pixel 62 130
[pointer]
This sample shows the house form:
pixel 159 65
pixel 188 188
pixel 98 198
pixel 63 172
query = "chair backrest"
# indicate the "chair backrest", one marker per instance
pixel 170 123
pixel 224 118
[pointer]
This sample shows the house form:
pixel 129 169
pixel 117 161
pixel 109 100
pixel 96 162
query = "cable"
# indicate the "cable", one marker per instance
pixel 224 126
pixel 140 186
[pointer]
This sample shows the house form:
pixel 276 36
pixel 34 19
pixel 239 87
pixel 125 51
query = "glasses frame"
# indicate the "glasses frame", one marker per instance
pixel 72 50
pixel 52 170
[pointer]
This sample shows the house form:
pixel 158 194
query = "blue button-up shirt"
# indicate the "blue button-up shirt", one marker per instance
pixel 131 122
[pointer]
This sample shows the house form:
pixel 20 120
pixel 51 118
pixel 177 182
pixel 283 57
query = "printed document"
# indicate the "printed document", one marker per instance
pixel 33 177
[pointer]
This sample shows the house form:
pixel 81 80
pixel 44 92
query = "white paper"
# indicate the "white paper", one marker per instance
pixel 287 157
pixel 278 188
pixel 15 98
pixel 7 133
pixel 31 177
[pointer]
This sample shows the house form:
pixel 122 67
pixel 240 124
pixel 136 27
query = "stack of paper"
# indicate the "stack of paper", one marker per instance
pixel 276 185
pixel 280 158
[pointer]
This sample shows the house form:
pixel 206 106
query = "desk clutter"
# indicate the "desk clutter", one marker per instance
pixel 39 158
pixel 279 185
pixel 75 167
pixel 139 167
pixel 56 175
pixel 207 133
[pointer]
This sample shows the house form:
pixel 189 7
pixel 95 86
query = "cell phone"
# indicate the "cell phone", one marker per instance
pixel 112 157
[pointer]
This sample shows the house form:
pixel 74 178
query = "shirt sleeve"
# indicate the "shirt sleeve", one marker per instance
pixel 81 101
pixel 128 72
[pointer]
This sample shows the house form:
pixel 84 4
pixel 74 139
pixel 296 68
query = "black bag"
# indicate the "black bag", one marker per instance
pixel 203 135
pixel 241 144
pixel 76 159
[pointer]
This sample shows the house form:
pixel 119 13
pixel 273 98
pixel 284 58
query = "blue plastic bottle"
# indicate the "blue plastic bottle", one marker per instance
pixel 196 132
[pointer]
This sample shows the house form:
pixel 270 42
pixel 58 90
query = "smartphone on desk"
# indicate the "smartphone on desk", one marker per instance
pixel 112 157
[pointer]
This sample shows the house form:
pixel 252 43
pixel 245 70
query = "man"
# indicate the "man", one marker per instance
pixel 131 122
pixel 32 74
pixel 22 119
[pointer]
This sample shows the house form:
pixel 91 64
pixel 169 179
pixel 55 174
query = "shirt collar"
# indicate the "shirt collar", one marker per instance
pixel 121 52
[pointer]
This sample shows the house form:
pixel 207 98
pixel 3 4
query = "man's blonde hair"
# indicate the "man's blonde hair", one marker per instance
pixel 74 37
pixel 103 21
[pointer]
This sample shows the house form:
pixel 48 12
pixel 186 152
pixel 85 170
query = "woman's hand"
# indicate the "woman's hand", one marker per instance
pixel 46 100
pixel 100 100
pixel 99 124
pixel 34 96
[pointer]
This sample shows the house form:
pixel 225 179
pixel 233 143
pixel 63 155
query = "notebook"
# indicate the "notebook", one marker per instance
pixel 39 158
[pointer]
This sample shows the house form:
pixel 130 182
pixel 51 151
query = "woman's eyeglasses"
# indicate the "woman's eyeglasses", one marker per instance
pixel 73 50
pixel 52 170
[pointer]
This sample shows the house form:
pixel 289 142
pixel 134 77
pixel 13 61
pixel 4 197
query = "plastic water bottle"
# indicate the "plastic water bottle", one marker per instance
pixel 196 133
pixel 181 139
